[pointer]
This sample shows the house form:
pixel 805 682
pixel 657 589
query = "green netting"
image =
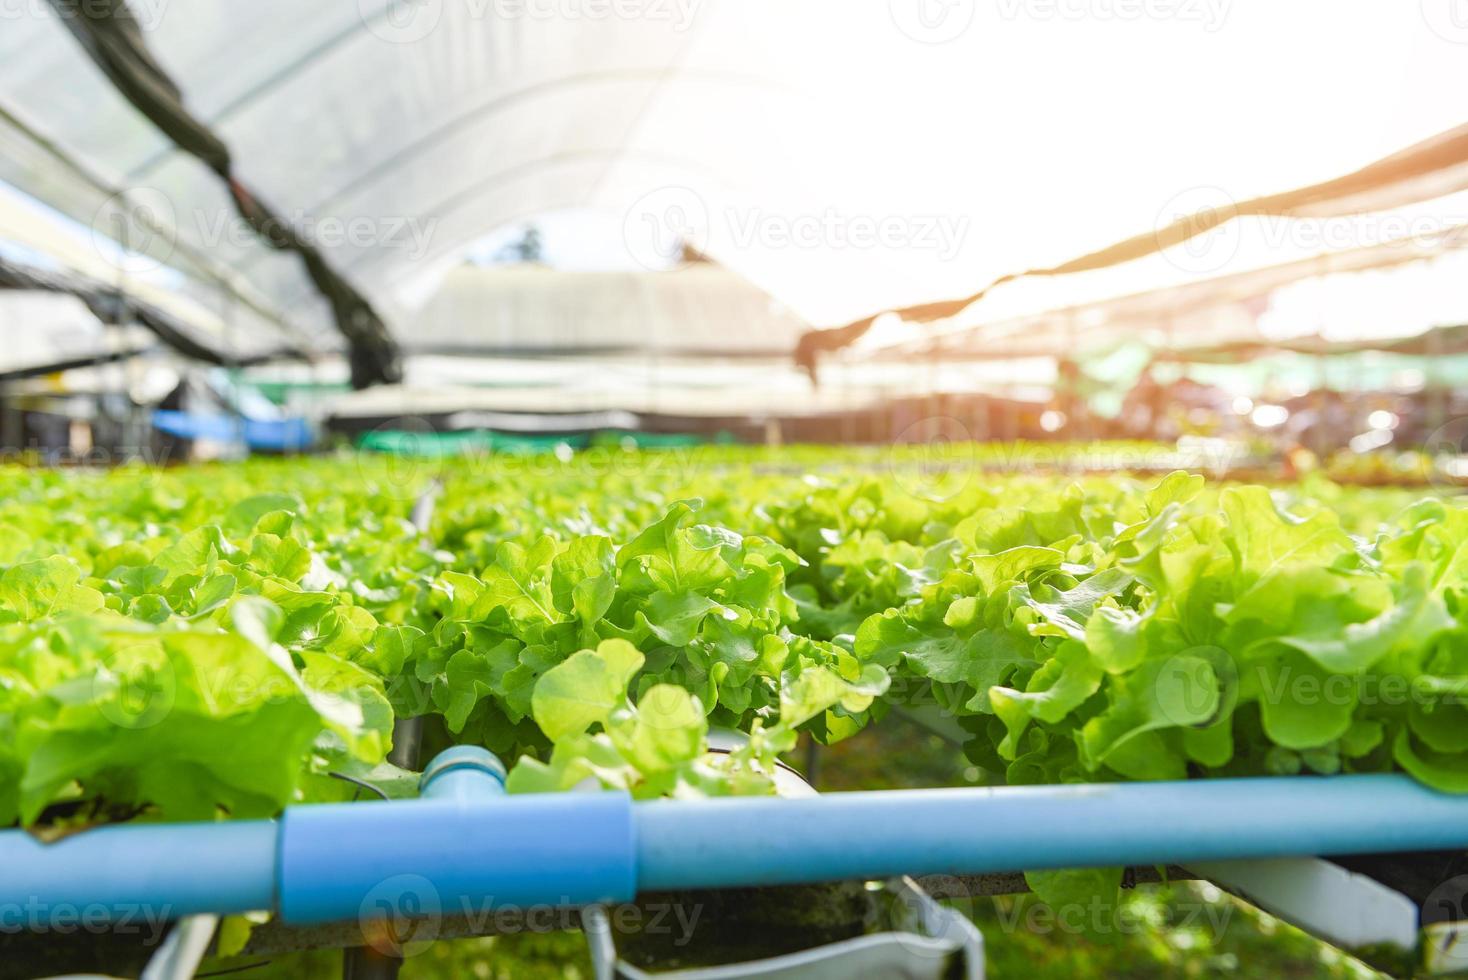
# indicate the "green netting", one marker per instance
pixel 445 444
pixel 280 392
pixel 656 440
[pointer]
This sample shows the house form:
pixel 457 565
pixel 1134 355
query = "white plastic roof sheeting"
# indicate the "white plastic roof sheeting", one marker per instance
pixel 699 308
pixel 46 330
pixel 845 157
pixel 35 236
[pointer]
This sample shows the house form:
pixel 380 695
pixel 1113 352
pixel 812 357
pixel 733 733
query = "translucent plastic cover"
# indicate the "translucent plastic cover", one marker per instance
pixel 845 157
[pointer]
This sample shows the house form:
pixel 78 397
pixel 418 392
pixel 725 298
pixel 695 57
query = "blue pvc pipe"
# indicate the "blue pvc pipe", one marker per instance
pixel 734 842
pixel 137 874
pixel 464 849
pixel 464 772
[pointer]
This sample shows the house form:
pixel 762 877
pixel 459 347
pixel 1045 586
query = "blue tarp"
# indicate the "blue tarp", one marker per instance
pixel 282 435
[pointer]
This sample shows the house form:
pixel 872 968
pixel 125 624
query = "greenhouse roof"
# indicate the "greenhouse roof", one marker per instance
pixel 46 332
pixel 700 308
pixel 793 149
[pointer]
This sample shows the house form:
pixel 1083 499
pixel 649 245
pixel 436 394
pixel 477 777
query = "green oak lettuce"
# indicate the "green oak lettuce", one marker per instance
pixel 218 641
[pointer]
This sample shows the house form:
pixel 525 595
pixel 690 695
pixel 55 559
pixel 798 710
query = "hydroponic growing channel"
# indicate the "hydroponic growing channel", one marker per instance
pixel 201 672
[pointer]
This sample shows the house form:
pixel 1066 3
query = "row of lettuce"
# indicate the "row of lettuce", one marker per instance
pixel 223 641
